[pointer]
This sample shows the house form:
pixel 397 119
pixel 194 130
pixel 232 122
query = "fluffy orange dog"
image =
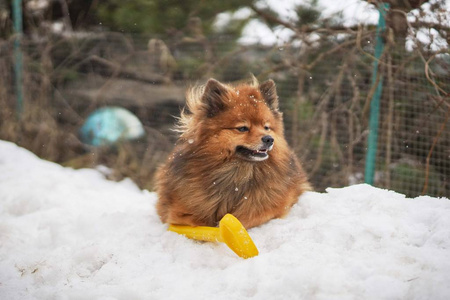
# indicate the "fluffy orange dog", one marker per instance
pixel 230 158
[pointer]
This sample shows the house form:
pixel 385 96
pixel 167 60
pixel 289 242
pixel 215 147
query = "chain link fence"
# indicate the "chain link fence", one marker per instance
pixel 325 94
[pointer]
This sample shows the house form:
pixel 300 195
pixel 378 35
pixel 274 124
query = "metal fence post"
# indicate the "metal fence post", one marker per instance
pixel 375 103
pixel 18 64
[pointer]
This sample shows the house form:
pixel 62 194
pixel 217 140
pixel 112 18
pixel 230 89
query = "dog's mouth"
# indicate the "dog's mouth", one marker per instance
pixel 253 155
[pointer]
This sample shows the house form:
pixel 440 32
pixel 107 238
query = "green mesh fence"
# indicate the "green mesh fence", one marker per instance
pixel 324 93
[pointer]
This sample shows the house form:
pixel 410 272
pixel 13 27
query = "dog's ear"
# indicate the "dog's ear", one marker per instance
pixel 214 97
pixel 269 93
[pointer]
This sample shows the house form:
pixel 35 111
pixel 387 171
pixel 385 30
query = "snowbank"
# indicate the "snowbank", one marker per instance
pixel 71 234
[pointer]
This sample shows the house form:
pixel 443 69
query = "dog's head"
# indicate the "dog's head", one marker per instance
pixel 241 122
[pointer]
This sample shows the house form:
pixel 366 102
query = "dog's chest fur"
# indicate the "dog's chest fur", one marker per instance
pixel 233 187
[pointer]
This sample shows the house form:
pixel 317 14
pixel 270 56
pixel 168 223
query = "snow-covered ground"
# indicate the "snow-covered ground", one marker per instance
pixel 71 234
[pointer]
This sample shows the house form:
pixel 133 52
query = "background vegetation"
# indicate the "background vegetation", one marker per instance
pixel 141 55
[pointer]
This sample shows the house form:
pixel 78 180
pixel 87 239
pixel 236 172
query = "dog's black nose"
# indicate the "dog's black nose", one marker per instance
pixel 267 139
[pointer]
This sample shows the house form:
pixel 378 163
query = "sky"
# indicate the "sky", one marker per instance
pixel 353 12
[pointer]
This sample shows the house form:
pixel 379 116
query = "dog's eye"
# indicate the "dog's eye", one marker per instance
pixel 242 129
pixel 266 128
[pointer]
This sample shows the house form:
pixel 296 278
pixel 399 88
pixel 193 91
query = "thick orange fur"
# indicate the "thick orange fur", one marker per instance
pixel 205 177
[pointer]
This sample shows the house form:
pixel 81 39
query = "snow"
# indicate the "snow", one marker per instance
pixel 71 234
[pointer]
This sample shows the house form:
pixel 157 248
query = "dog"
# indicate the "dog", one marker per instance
pixel 231 157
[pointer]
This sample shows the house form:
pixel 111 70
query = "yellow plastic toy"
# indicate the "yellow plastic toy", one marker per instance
pixel 230 232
